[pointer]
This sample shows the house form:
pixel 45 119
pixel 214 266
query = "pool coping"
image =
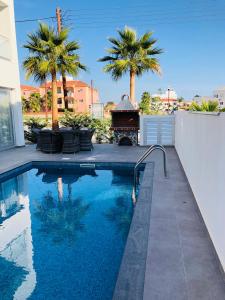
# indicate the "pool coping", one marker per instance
pixel 131 278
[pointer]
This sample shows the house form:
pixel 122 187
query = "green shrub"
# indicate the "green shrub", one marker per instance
pixel 76 121
pixel 102 127
pixel 30 124
pixel 209 106
pixel 102 130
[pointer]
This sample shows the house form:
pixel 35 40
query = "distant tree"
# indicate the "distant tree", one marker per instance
pixel 156 106
pixel 145 103
pixel 35 102
pixel 109 105
pixel 180 99
pixel 25 104
pixel 49 101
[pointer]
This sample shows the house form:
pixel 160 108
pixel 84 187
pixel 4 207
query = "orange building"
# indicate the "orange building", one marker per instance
pixel 81 96
pixel 27 90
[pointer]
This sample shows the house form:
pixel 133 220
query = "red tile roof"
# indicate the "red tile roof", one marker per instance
pixel 28 88
pixel 76 83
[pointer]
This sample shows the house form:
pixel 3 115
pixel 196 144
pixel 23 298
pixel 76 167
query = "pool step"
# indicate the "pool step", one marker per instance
pixel 90 166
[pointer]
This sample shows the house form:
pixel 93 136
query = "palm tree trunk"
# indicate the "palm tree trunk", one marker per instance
pixel 60 188
pixel 55 123
pixel 132 87
pixel 65 92
pixel 46 102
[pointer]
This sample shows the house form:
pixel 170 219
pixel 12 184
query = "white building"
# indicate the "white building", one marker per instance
pixel 168 96
pixel 11 121
pixel 219 94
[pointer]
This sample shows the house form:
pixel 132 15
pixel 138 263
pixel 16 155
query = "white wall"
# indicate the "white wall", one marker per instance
pixel 9 75
pixel 200 144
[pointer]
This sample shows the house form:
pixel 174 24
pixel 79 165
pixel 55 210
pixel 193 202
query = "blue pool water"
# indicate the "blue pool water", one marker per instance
pixel 63 232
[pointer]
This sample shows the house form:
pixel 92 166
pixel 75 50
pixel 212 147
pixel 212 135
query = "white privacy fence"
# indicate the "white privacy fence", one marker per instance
pixel 200 144
pixel 157 130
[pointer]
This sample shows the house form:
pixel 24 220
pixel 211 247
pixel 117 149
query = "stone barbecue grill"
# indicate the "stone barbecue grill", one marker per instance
pixel 125 123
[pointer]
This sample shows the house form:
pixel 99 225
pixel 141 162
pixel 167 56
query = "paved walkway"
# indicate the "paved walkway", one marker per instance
pixel 181 261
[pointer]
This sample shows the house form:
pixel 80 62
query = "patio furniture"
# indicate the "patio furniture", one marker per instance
pixel 50 141
pixel 71 140
pixel 36 133
pixel 85 139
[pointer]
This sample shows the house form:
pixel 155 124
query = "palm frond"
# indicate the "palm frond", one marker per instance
pixel 138 53
pixel 71 46
pixel 106 58
pixel 51 53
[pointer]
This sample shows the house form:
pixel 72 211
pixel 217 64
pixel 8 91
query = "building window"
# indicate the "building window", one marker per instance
pixel 221 103
pixel 81 100
pixel 59 101
pixel 80 90
pixel 6 122
pixel 70 101
pixel 58 90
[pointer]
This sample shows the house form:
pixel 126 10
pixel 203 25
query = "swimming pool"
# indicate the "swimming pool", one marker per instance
pixel 63 230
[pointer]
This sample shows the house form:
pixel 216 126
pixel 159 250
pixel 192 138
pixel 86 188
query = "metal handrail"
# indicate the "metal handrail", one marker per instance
pixel 142 158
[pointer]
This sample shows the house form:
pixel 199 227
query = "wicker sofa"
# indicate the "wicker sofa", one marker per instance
pixel 66 140
pixel 85 139
pixel 71 140
pixel 50 141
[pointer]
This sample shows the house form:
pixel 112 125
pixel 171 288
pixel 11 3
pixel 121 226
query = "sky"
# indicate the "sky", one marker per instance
pixel 191 33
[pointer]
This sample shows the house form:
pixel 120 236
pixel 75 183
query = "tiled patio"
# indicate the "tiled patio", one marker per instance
pixel 181 262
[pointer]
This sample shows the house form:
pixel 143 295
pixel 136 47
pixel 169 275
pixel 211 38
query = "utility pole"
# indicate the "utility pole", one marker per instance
pixel 92 96
pixel 59 28
pixel 59 19
pixel 92 100
pixel 168 91
pixel 46 101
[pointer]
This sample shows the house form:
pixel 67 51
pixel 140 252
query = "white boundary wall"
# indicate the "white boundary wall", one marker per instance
pixel 157 130
pixel 200 144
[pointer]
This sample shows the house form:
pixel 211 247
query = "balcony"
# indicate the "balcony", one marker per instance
pixel 5 51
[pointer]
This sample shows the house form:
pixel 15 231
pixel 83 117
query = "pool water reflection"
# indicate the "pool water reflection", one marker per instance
pixel 63 232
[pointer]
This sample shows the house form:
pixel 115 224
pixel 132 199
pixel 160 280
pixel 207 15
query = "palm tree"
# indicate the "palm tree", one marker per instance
pixel 121 215
pixel 61 220
pixel 69 60
pixel 46 56
pixel 133 55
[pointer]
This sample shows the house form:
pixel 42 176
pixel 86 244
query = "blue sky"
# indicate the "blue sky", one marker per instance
pixel 192 34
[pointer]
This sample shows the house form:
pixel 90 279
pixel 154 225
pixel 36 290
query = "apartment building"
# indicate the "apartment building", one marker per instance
pixel 81 96
pixel 11 121
pixel 219 94
pixel 27 90
pixel 169 96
